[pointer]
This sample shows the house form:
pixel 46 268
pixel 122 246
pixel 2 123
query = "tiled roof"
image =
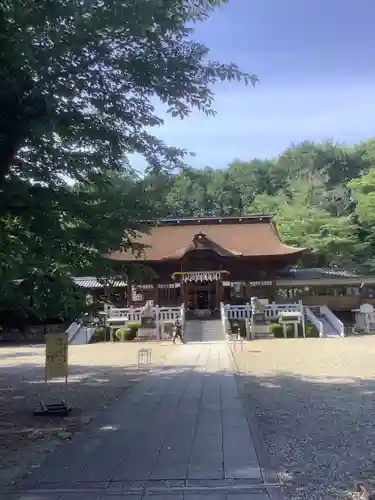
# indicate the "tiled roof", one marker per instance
pixel 241 236
pixel 91 282
pixel 317 273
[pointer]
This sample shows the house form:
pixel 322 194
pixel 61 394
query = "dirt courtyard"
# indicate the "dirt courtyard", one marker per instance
pixel 314 401
pixel 98 375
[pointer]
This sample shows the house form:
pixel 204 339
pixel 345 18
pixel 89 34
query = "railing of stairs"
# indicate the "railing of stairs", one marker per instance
pixel 73 330
pixel 224 319
pixel 314 320
pixel 337 325
pixel 182 316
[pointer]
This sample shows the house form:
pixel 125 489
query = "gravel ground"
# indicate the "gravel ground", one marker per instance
pixel 315 406
pixel 99 374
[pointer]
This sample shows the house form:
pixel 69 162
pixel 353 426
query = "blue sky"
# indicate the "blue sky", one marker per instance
pixel 316 63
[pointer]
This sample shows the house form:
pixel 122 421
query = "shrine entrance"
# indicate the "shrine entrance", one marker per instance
pixel 202 296
pixel 202 292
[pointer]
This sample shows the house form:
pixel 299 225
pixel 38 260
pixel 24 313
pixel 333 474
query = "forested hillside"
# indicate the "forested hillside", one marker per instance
pixel 321 194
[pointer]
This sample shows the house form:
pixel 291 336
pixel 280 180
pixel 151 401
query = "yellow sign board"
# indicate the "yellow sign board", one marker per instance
pixel 56 355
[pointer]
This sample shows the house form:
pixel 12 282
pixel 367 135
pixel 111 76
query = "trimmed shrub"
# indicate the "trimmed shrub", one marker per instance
pixel 130 332
pixel 101 334
pixel 311 331
pixel 134 325
pixel 276 330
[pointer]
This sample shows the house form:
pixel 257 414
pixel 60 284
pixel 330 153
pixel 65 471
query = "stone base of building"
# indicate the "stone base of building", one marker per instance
pixel 145 333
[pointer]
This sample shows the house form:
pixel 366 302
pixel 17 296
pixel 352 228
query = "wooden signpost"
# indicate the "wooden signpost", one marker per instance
pixel 56 366
pixel 56 356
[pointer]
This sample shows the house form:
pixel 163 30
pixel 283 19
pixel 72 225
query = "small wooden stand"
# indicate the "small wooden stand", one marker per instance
pixel 56 367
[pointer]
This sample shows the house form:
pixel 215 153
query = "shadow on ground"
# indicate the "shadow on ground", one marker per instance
pixel 320 434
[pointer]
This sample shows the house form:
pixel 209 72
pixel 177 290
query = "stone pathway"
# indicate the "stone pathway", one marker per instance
pixel 182 434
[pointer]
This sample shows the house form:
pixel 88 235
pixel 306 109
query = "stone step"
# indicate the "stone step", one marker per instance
pixel 203 330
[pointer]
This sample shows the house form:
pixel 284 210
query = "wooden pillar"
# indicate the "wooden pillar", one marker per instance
pixel 247 290
pixel 130 290
pixel 183 293
pixel 218 294
pixel 156 294
pixel 186 294
pixel 273 291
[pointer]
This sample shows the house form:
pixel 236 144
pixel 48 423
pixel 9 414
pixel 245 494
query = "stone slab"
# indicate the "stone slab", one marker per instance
pixel 182 426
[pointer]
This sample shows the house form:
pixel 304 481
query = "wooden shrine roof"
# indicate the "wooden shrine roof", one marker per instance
pixel 171 239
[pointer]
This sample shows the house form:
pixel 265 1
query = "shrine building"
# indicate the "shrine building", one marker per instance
pixel 202 262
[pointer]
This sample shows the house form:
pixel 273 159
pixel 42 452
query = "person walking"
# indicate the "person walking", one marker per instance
pixel 178 331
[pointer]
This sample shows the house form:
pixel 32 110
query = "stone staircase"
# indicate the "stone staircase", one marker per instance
pixel 210 330
pixel 328 328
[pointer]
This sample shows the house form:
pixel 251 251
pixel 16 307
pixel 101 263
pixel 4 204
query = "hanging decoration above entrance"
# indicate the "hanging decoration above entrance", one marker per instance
pixel 199 276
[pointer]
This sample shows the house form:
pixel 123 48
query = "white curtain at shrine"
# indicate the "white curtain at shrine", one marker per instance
pixel 202 276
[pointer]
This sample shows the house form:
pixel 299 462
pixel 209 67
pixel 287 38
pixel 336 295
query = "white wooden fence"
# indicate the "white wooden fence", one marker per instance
pixel 168 314
pixel 134 313
pixel 271 310
pixel 162 315
pixel 228 311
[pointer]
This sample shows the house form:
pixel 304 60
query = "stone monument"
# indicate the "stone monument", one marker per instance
pixel 147 329
pixel 258 324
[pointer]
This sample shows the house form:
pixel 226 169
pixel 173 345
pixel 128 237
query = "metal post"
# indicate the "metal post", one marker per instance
pixel 303 318
pixel 157 318
pixel 284 330
pixel 66 391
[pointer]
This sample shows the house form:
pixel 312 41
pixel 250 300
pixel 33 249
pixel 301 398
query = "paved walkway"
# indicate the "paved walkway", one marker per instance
pixel 182 434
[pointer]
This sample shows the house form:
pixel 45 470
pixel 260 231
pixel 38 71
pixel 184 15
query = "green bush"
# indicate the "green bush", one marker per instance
pixel 311 331
pixel 101 334
pixel 276 330
pixel 130 332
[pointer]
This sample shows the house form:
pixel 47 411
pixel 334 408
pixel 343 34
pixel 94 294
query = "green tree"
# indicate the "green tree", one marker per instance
pixel 363 217
pixel 78 86
pixel 304 221
pixel 321 194
pixel 78 82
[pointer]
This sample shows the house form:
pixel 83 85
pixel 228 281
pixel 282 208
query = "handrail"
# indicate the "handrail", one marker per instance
pixel 182 315
pixel 73 330
pixel 271 311
pixel 223 317
pixel 337 324
pixel 162 313
pixel 314 320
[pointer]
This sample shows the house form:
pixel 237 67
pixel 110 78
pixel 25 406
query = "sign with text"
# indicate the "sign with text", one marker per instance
pixel 260 283
pixel 56 355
